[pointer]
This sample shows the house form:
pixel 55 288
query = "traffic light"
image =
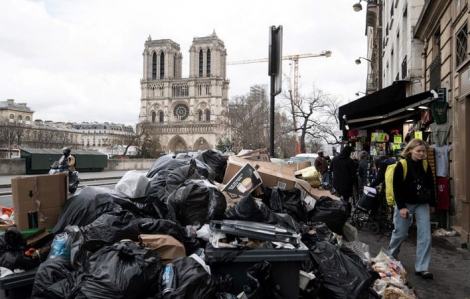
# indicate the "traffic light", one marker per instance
pixel 275 57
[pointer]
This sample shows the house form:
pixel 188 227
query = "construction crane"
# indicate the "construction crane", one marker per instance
pixel 294 59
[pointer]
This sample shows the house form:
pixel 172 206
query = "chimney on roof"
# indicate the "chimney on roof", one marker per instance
pixel 10 101
pixel 22 105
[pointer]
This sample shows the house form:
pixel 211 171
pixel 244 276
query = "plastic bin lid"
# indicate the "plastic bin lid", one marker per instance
pixel 18 280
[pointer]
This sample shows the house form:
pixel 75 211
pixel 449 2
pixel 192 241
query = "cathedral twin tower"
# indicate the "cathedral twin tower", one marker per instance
pixel 185 114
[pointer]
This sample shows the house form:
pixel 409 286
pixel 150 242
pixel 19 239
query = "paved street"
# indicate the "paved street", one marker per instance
pixel 449 265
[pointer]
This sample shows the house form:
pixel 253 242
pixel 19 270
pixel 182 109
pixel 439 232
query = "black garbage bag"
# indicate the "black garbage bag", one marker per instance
pixel 334 213
pixel 343 277
pixel 115 203
pixel 183 173
pixel 192 280
pixel 318 231
pixel 158 183
pixel 55 278
pixel 169 227
pixel 287 201
pixel 157 186
pixel 216 161
pixel 12 249
pixel 196 202
pixel 79 209
pixel 260 284
pixel 247 209
pixel 122 270
pixel 159 164
pixel 108 229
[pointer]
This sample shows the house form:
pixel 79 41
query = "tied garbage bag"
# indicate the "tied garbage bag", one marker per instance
pixel 162 162
pixel 54 279
pixel 193 281
pixel 216 161
pixel 159 178
pixel 334 213
pixel 260 285
pixel 12 248
pixel 249 210
pixel 343 277
pixel 181 174
pixel 287 201
pixel 196 202
pixel 122 270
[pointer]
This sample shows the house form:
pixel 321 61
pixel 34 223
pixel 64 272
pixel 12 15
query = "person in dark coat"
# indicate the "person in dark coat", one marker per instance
pixel 344 173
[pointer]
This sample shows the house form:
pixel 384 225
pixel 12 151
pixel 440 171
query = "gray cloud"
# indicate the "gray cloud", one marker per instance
pixel 85 56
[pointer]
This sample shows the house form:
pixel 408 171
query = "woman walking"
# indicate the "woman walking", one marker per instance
pixel 414 197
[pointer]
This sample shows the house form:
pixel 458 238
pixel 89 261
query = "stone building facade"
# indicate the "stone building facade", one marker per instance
pixel 184 114
pixel 19 129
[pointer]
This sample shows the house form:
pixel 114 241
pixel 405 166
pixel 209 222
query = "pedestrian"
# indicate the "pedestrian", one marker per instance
pixel 414 197
pixel 321 165
pixel 344 173
pixel 363 167
pixel 382 164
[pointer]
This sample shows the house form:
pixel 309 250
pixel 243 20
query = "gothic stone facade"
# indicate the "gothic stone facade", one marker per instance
pixel 185 114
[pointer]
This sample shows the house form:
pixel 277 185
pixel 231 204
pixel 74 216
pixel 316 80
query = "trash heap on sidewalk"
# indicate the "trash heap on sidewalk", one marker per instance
pixel 203 227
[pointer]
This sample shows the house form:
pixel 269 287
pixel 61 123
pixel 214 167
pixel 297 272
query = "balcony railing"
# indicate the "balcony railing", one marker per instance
pixel 193 128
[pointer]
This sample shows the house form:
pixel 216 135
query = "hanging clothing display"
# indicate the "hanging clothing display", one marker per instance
pixel 439 111
pixel 443 194
pixel 441 154
pixel 440 133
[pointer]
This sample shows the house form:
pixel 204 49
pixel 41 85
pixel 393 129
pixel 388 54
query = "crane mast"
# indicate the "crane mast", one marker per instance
pixel 293 97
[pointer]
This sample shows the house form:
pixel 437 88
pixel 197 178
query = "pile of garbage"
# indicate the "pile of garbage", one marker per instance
pixel 200 228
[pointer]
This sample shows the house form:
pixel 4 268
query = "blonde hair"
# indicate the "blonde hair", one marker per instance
pixel 412 145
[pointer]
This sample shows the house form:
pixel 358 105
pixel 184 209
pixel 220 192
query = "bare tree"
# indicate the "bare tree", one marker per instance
pixel 316 118
pixel 249 119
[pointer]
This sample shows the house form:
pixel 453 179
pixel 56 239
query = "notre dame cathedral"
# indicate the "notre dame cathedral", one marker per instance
pixel 185 114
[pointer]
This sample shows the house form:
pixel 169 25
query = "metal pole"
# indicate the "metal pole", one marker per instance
pixel 271 119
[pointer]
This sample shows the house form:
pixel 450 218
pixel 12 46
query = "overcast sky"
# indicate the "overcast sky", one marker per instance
pixel 81 60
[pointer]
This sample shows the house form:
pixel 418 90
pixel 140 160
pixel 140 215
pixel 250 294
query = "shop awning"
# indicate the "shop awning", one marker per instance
pixel 384 106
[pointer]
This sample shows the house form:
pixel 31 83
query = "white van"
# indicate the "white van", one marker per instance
pixel 305 157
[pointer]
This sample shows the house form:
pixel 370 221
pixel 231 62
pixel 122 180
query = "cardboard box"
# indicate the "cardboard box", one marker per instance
pixel 50 190
pixel 272 174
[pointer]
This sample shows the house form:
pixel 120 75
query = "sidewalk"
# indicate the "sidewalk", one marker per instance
pixel 5 180
pixel 449 265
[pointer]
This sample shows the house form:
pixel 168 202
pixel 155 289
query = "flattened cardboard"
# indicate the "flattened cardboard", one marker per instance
pixel 50 190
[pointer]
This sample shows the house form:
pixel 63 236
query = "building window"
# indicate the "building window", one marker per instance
pixel 154 116
pixel 20 119
pixel 27 120
pixel 162 65
pixel 161 116
pixel 201 61
pixel 208 115
pixel 200 115
pixel 154 66
pixel 461 47
pixel 12 118
pixel 208 64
